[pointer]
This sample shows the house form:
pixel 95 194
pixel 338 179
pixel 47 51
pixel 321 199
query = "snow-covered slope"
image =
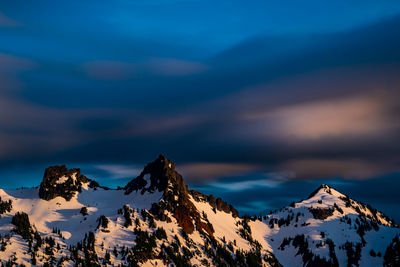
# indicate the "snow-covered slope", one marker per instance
pixel 327 229
pixel 155 220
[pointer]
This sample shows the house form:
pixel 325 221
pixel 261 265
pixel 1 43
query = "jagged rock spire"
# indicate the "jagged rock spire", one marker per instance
pixel 160 175
pixel 157 176
pixel 60 181
pixel 324 187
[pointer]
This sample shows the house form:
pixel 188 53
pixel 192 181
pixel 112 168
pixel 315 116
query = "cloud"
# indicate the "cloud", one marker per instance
pixel 10 62
pixel 174 67
pixel 110 70
pixel 8 22
pixel 270 180
pixel 361 115
pixel 330 168
pixel 33 130
pixel 118 171
pixel 332 99
pixel 156 125
pixel 210 170
pixel 120 70
pixel 10 68
pixel 313 106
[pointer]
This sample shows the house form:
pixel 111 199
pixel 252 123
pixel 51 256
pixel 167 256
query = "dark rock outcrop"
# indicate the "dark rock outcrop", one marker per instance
pixel 320 213
pixel 58 181
pixel 216 203
pixel 324 187
pixel 392 253
pixel 160 172
pixel 161 176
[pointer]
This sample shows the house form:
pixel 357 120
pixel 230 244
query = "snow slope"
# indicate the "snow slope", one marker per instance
pixel 156 221
pixel 327 217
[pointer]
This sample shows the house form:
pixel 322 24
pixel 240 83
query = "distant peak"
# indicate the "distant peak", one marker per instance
pixel 346 204
pixel 323 187
pixel 54 172
pixel 164 163
pixel 326 188
pixel 162 158
pixel 160 175
pixel 156 175
pixel 60 181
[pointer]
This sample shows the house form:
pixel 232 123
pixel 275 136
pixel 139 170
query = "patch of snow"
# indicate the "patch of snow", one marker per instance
pixel 62 179
pixel 146 177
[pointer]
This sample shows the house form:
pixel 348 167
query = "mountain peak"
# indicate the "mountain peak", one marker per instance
pixel 323 188
pixel 326 198
pixel 164 220
pixel 157 176
pixel 59 181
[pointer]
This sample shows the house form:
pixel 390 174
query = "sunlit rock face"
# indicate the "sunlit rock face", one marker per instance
pixel 157 176
pixel 58 181
pixel 161 176
pixel 156 220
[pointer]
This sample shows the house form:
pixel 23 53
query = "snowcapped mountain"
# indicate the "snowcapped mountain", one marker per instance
pixel 155 220
pixel 327 229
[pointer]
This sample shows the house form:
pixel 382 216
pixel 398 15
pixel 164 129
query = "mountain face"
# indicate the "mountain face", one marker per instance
pixel 327 229
pixel 160 176
pixel 58 181
pixel 155 220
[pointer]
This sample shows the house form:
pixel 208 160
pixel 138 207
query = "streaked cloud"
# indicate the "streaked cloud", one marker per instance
pixel 174 67
pixel 366 115
pixel 10 68
pixel 121 70
pixel 239 96
pixel 210 170
pixel 110 70
pixel 272 180
pixel 11 62
pixel 330 168
pixel 265 104
pixel 118 171
pixel 8 22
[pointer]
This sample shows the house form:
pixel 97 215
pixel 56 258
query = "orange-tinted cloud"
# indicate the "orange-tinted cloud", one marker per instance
pixel 325 168
pixel 208 170
pixel 365 115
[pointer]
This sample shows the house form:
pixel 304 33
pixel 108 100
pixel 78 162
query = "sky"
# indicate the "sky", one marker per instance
pixel 257 102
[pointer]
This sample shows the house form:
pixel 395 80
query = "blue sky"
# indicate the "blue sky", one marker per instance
pixel 257 97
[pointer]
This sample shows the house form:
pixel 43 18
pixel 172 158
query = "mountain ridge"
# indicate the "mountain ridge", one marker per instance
pixel 156 220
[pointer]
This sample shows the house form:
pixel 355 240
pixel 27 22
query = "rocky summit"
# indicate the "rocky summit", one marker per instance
pixel 156 220
pixel 58 181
